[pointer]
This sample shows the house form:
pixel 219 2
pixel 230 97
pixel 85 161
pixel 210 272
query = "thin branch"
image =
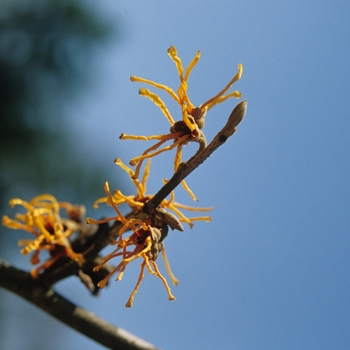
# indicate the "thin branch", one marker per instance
pixel 85 322
pixel 106 234
pixel 42 295
pixel 185 169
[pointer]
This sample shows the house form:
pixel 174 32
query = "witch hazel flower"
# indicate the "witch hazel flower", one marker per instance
pixel 51 232
pixel 145 242
pixel 136 202
pixel 189 128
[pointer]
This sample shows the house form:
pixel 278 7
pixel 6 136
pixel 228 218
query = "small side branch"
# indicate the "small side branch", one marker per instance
pixel 185 169
pixel 106 234
pixel 85 322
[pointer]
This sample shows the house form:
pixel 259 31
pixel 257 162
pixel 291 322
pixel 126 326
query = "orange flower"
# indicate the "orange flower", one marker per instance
pixel 189 128
pixel 51 232
pixel 146 242
pixel 137 201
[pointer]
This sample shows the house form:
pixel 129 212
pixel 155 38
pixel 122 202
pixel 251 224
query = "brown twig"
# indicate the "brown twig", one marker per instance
pixel 106 233
pixel 185 169
pixel 42 295
pixel 85 322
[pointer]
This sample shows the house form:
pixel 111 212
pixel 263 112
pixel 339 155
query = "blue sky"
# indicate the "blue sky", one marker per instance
pixel 271 271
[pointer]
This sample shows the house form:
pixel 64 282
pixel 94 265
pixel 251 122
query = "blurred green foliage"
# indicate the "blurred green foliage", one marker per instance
pixel 45 52
pixel 45 47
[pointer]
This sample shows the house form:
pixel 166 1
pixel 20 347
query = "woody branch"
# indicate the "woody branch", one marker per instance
pixel 40 292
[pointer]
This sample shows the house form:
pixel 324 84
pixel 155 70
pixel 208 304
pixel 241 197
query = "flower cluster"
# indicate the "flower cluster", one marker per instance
pixel 147 234
pixel 137 201
pixel 141 233
pixel 146 242
pixel 189 128
pixel 51 231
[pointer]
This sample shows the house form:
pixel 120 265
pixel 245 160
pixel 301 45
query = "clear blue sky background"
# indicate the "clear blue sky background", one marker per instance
pixel 272 269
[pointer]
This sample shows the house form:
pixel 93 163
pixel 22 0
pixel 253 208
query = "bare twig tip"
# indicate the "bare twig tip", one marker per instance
pixel 234 119
pixel 238 113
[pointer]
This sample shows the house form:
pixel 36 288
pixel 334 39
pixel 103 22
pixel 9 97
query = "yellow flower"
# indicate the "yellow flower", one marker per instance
pixel 189 128
pixel 147 235
pixel 145 242
pixel 137 202
pixel 51 232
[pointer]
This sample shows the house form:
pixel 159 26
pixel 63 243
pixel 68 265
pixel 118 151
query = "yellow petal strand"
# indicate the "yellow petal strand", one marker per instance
pixel 103 282
pixel 98 201
pixel 167 148
pixel 40 225
pixel 159 275
pixel 166 203
pixel 143 251
pixel 119 162
pixel 145 178
pixel 46 200
pixel 125 227
pixel 134 221
pixel 32 245
pixel 185 186
pixel 172 197
pixel 158 102
pixel 149 267
pixel 117 200
pixel 129 200
pixel 234 94
pixel 137 169
pixel 139 280
pixel 178 156
pixel 18 201
pixel 191 126
pixel 200 218
pixel 102 221
pixel 173 55
pixel 121 272
pixel 234 79
pixel 168 269
pixel 23 242
pixel 15 225
pixel 129 224
pixel 78 258
pixel 182 90
pixel 191 65
pixel 139 186
pixel 139 160
pixel 188 104
pixel 138 137
pixel 169 90
pixel 66 205
pixel 110 198
pixel 187 207
pixel 110 256
pixel 43 197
